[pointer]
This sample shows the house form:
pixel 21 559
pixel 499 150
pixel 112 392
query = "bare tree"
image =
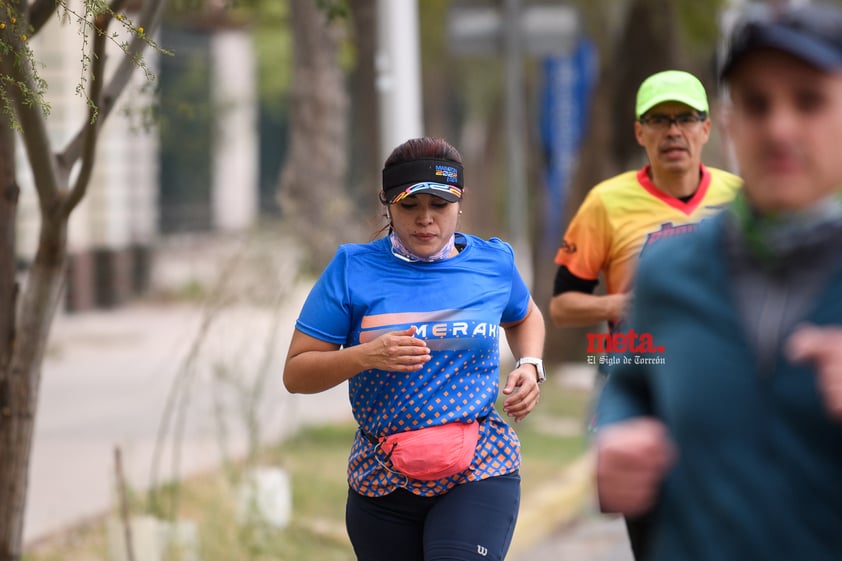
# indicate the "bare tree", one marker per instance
pixel 27 309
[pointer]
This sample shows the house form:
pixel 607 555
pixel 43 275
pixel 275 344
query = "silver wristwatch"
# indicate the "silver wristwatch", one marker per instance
pixel 539 366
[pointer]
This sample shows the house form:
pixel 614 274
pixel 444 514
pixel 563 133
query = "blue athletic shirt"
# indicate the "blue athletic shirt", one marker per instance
pixel 457 306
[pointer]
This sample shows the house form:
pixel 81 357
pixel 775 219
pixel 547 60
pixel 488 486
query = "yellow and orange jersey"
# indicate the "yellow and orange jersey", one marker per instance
pixel 621 216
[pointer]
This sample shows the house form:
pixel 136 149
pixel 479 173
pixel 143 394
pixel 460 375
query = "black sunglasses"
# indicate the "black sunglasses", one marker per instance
pixel 683 120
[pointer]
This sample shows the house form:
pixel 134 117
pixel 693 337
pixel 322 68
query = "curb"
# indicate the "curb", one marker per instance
pixel 556 503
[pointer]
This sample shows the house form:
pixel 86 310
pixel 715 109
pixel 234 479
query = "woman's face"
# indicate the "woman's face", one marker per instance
pixel 424 223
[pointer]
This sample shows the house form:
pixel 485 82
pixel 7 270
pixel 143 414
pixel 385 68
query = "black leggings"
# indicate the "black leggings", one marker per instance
pixel 638 530
pixel 471 521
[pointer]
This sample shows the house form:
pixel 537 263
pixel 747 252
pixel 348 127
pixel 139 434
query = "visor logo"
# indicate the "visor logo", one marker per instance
pixel 450 174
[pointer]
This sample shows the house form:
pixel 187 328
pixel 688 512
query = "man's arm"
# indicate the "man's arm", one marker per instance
pixel 572 309
pixel 574 304
pixel 632 458
pixel 632 448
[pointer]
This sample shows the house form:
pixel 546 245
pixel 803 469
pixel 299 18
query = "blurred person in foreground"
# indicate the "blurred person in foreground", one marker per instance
pixel 733 443
pixel 412 322
pixel 623 216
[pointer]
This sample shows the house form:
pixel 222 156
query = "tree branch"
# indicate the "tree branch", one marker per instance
pixel 90 132
pixel 40 12
pixel 150 20
pixel 31 121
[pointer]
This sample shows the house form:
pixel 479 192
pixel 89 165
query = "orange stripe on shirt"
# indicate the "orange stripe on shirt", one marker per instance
pixel 380 320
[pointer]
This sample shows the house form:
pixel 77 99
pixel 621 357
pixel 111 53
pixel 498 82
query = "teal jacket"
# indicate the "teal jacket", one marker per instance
pixel 759 468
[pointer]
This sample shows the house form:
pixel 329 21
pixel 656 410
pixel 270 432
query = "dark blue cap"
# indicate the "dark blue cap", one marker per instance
pixel 811 32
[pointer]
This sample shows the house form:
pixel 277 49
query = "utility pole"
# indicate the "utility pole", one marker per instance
pixel 398 73
pixel 515 139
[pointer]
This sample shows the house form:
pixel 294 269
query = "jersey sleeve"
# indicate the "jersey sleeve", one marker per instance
pixel 587 241
pixel 326 314
pixel 519 296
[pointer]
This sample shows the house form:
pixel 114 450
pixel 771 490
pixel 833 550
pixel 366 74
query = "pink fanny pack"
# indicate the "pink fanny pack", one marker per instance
pixel 433 452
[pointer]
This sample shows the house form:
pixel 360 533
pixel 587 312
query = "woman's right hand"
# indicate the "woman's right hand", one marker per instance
pixel 398 351
pixel 313 365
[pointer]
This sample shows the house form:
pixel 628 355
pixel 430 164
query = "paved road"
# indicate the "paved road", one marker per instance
pixel 106 381
pixel 592 537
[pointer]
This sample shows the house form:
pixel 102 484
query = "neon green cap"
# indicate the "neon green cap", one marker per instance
pixel 671 85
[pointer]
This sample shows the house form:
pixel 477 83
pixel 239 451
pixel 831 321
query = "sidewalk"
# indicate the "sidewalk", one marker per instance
pixel 109 376
pixel 591 537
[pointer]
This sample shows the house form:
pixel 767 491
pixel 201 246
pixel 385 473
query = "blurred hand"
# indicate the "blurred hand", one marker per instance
pixel 632 458
pixel 821 346
pixel 398 351
pixel 519 403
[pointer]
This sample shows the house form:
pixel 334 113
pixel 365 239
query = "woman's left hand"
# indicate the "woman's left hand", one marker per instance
pixel 521 402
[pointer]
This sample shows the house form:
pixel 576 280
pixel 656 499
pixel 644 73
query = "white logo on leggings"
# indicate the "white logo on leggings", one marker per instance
pixel 482 551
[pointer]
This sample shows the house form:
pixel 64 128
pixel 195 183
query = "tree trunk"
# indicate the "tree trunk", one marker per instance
pixel 9 192
pixel 21 379
pixel 312 192
pixel 25 327
pixel 365 136
pixel 25 318
pixel 14 472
